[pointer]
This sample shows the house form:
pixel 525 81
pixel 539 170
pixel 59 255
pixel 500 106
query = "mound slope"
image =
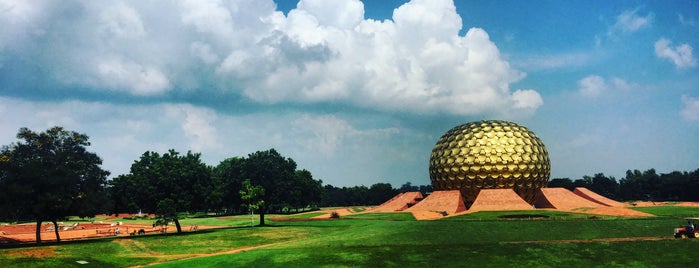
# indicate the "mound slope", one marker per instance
pixel 449 201
pixel 597 198
pixel 563 199
pixel 399 202
pixel 499 199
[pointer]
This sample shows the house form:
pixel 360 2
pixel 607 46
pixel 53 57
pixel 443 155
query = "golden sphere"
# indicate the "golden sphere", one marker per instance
pixel 490 154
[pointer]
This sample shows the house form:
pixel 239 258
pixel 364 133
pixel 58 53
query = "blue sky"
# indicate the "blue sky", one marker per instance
pixel 357 93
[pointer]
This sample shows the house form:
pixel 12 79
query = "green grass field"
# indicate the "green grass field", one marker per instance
pixel 484 239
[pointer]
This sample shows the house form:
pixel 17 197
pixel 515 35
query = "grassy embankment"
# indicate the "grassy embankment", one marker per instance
pixel 394 240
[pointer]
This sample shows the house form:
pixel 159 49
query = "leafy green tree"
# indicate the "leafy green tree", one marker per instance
pixel 379 193
pixel 227 177
pixel 333 196
pixel 271 171
pixel 306 190
pixel 561 182
pixel 252 196
pixel 408 187
pixel 165 185
pixel 50 175
pixel 606 186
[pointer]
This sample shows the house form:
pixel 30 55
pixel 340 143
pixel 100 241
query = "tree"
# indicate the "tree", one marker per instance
pixel 252 196
pixel 166 185
pixel 561 182
pixel 227 178
pixel 408 187
pixel 307 191
pixel 605 186
pixel 380 192
pixel 49 176
pixel 271 171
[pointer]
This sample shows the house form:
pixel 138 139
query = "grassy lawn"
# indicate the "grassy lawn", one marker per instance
pixel 484 239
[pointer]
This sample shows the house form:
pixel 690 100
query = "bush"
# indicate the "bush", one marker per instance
pixel 334 215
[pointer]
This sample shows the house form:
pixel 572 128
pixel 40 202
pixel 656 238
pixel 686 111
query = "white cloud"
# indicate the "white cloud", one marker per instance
pixel 556 61
pixel 196 124
pixel 629 21
pixel 680 55
pixel 117 74
pixel 593 86
pixel 323 51
pixel 686 21
pixel 324 133
pixel 527 99
pixel 121 21
pixel 690 108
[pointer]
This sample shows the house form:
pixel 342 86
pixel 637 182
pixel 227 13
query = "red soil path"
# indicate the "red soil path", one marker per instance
pixel 26 233
pixel 498 200
pixel 340 212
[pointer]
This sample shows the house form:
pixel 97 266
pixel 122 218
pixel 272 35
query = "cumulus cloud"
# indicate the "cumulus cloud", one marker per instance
pixel 320 52
pixel 326 132
pixel 594 85
pixel 680 55
pixel 121 133
pixel 690 108
pixel 630 21
pixel 196 124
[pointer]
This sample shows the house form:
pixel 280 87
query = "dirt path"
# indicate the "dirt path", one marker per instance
pixel 180 257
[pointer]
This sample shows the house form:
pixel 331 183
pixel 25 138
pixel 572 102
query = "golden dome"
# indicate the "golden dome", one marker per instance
pixel 490 154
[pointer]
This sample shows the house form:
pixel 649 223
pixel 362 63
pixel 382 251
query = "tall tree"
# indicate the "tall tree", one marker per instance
pixel 50 175
pixel 380 192
pixel 251 195
pixel 307 191
pixel 271 171
pixel 227 177
pixel 166 185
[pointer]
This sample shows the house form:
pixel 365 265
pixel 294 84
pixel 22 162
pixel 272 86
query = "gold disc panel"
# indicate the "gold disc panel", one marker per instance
pixel 490 154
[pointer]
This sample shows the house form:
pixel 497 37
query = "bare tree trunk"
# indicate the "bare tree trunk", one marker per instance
pixel 177 224
pixel 55 229
pixel 38 231
pixel 262 216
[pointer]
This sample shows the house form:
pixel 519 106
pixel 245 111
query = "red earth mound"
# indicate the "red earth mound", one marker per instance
pixel 399 202
pixel 438 204
pixel 565 200
pixel 594 197
pixel 498 200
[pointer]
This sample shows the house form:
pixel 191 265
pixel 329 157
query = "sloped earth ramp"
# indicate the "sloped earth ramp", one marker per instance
pixel 440 203
pixel 498 200
pixel 565 200
pixel 597 198
pixel 399 203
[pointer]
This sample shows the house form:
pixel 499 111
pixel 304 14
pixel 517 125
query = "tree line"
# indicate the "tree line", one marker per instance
pixel 48 176
pixel 637 185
